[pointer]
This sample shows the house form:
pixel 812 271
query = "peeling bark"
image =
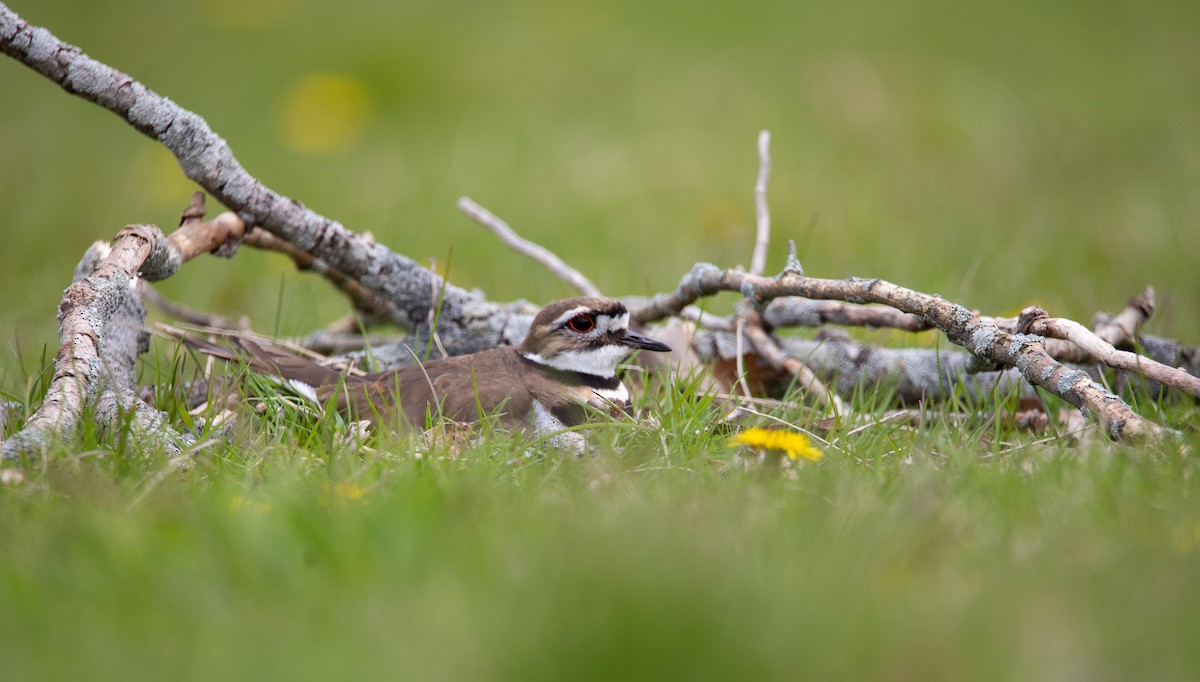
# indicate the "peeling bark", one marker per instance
pixel 101 332
pixel 99 322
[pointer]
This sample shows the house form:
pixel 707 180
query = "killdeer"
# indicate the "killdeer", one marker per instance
pixel 565 367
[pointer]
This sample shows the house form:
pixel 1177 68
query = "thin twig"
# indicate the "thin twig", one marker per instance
pixel 758 262
pixel 1122 328
pixel 525 247
pixel 741 370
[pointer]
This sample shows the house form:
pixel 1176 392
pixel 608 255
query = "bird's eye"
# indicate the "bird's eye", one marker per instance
pixel 581 324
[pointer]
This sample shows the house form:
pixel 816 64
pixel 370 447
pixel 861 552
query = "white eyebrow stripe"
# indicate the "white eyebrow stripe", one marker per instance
pixel 604 323
pixel 569 314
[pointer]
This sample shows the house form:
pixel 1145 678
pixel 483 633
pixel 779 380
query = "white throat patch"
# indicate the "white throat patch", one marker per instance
pixel 601 361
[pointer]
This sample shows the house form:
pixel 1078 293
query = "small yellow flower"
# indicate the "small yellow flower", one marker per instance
pixel 240 502
pixel 794 443
pixel 348 491
pixel 341 493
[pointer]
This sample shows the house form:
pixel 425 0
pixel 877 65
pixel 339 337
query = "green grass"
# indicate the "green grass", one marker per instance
pixel 1000 154
pixel 283 552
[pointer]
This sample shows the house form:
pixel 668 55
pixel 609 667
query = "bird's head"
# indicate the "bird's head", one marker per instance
pixel 587 334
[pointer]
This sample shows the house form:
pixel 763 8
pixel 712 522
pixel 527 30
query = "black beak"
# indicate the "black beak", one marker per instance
pixel 644 342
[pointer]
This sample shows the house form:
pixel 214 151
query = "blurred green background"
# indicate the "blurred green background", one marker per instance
pixel 997 153
pixel 1000 154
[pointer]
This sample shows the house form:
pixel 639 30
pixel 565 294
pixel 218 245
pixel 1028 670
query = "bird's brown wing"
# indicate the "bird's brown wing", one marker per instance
pixel 462 388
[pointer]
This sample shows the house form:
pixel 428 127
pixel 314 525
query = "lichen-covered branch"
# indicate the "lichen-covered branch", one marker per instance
pixel 467 322
pixel 1122 328
pixel 1169 352
pixel 1035 320
pixel 88 306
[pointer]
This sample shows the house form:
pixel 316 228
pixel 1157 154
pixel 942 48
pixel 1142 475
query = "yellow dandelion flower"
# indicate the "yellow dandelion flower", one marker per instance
pixel 794 443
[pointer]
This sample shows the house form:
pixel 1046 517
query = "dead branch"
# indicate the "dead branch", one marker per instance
pixel 100 329
pixel 1119 331
pixel 750 321
pixel 195 236
pixel 523 246
pixel 87 307
pixel 706 319
pixel 983 339
pixel 468 321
